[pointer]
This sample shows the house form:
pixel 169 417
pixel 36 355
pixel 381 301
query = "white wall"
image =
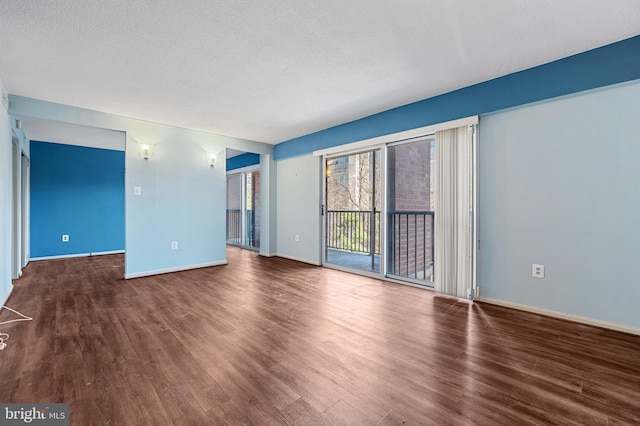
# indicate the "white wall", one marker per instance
pixel 183 198
pixel 559 185
pixel 299 198
pixel 5 201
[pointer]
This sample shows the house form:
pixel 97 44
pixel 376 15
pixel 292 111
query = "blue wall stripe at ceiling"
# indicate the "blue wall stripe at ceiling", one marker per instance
pixel 607 65
pixel 78 191
pixel 243 160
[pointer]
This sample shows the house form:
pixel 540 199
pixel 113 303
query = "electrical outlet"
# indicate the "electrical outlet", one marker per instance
pixel 297 237
pixel 174 245
pixel 537 271
pixel 65 238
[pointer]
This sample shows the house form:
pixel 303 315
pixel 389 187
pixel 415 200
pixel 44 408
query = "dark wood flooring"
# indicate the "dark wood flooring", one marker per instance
pixel 271 341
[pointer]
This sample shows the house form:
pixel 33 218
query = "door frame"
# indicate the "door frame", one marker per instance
pixel 16 208
pixel 25 208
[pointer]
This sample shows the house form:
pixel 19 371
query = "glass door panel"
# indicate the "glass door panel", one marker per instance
pixel 353 205
pixel 411 209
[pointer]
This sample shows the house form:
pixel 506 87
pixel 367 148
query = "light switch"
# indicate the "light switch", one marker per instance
pixel 137 190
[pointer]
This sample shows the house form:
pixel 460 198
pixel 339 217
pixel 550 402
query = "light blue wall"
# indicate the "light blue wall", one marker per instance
pixel 5 203
pixel 183 198
pixel 299 190
pixel 559 186
pixel 78 191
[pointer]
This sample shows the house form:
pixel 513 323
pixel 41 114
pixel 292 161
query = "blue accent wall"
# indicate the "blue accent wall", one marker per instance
pixel 611 64
pixel 243 160
pixel 77 191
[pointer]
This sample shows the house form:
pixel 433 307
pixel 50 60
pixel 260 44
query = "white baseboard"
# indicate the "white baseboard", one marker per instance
pixel 299 259
pixel 100 253
pixel 67 256
pixel 61 256
pixel 561 315
pixel 176 269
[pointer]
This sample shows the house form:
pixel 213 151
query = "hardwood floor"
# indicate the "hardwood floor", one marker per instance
pixel 271 341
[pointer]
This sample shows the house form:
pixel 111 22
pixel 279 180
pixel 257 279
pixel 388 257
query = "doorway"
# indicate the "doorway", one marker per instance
pixel 20 209
pixel 243 209
pixel 353 201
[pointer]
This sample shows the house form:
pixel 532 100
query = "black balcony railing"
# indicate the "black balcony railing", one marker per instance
pixel 234 228
pixel 350 230
pixel 410 243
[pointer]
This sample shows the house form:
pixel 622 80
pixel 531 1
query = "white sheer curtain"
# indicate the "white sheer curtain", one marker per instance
pixel 453 219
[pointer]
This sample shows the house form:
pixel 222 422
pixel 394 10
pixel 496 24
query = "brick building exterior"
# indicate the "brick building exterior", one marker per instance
pixel 410 233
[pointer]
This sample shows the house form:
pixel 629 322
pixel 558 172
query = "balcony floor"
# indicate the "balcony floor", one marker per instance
pixel 353 260
pixel 362 262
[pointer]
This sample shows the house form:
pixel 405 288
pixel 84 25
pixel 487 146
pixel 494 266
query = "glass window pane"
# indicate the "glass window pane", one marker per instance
pixel 411 208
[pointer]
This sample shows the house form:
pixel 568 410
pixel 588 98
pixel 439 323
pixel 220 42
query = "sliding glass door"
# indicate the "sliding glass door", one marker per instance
pixel 415 221
pixel 353 205
pixel 243 209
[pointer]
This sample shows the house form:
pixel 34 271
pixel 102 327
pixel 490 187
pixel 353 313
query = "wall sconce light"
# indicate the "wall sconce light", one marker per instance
pixel 212 158
pixel 146 150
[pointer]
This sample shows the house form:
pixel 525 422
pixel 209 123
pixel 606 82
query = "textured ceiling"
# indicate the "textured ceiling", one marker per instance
pixel 272 70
